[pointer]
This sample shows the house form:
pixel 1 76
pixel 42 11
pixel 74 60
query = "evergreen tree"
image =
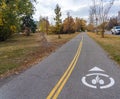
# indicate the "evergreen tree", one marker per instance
pixel 58 20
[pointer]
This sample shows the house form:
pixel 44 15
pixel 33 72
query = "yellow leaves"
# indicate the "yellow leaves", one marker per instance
pixel 1 22
pixel 13 28
pixel 83 22
pixel 3 5
pixel 90 27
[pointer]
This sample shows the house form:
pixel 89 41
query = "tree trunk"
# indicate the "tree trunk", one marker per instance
pixel 102 33
pixel 103 30
pixel 27 31
pixel 96 31
pixel 59 37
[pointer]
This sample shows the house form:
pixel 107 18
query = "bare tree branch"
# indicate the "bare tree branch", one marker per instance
pixel 100 9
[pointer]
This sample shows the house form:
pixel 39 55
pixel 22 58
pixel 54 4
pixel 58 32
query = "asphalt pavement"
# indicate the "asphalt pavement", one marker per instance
pixel 80 69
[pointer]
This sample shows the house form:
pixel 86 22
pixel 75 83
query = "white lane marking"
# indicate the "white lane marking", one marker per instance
pixel 96 69
pixel 98 79
pixel 85 82
pixel 100 74
pixel 112 82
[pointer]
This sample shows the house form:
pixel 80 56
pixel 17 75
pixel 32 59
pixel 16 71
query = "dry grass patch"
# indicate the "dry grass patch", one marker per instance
pixel 111 43
pixel 21 52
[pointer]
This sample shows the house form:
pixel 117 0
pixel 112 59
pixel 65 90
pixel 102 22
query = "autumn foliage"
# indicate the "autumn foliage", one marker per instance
pixel 11 14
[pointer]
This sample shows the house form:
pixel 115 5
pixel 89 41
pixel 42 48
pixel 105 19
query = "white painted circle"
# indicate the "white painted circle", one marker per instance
pixel 94 81
pixel 101 82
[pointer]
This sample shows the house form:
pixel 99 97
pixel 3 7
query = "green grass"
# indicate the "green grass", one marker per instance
pixel 111 43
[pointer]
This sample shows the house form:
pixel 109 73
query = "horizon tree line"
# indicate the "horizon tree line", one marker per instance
pixel 67 26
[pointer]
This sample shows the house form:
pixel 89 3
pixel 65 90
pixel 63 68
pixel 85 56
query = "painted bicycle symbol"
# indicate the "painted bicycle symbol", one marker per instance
pixel 98 80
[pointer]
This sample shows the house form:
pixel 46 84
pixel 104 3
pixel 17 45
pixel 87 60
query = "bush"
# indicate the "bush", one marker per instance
pixel 4 33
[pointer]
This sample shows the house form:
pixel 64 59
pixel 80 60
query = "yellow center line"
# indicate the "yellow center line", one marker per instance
pixel 59 86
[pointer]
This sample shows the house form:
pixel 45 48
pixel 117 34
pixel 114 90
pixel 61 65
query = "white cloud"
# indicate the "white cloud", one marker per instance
pixel 77 8
pixel 115 8
pixel 46 7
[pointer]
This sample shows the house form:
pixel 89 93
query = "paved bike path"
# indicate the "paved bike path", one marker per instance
pixel 93 60
pixel 37 82
pixel 94 75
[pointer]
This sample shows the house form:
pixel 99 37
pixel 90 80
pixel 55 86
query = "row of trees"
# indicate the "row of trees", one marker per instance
pixel 68 25
pixel 98 14
pixel 15 15
pixel 113 21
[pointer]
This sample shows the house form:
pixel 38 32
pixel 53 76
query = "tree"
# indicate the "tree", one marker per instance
pixel 33 26
pixel 28 24
pixel 90 27
pixel 8 19
pixel 91 16
pixel 80 24
pixel 44 24
pixel 77 24
pixel 47 25
pixel 58 20
pixel 52 29
pixel 112 22
pixel 69 21
pixel 83 24
pixel 100 9
pixel 11 13
pixel 69 25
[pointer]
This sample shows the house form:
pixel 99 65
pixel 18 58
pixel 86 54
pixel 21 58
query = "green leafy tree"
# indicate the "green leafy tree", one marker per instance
pixel 28 25
pixel 58 20
pixel 11 13
pixel 8 19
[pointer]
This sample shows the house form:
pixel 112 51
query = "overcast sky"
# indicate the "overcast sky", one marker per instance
pixel 77 8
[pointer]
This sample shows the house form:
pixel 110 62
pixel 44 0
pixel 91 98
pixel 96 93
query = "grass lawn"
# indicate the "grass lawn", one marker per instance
pixel 111 43
pixel 21 52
